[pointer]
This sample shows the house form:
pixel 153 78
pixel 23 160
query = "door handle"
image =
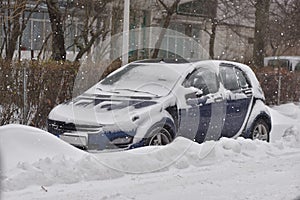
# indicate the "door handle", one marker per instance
pixel 247 92
pixel 218 99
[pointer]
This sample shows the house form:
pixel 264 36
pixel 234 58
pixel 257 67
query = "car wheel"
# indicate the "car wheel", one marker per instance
pixel 159 136
pixel 260 130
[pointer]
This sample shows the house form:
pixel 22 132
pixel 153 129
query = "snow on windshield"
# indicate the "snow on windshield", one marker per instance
pixel 157 79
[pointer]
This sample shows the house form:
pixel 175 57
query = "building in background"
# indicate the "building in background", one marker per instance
pixel 233 31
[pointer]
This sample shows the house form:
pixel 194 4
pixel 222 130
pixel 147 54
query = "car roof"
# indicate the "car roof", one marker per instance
pixel 182 65
pixel 185 63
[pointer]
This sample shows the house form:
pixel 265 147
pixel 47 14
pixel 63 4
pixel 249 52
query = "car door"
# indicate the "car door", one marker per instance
pixel 198 119
pixel 238 94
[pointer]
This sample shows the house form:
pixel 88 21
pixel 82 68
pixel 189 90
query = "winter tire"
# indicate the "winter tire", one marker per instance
pixel 159 136
pixel 260 131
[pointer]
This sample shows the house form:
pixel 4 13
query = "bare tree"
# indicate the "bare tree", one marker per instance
pixel 95 27
pixel 170 11
pixel 15 32
pixel 58 40
pixel 14 23
pixel 214 13
pixel 284 29
pixel 214 21
pixel 261 23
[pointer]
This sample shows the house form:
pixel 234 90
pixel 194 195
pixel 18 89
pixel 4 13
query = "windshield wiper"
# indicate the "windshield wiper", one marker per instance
pixel 138 91
pixel 108 91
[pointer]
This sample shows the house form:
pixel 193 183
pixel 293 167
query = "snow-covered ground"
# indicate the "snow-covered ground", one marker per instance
pixel 37 165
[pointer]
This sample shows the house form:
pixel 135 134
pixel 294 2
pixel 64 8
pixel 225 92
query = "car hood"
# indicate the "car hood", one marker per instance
pixel 106 110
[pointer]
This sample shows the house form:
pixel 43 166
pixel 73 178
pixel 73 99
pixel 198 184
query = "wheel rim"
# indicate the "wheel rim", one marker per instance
pixel 160 138
pixel 260 132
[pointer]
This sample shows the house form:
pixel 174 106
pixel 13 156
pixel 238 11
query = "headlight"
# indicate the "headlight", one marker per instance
pixel 123 140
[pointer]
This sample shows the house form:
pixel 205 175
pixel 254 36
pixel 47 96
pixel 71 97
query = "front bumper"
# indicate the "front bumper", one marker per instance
pixel 91 137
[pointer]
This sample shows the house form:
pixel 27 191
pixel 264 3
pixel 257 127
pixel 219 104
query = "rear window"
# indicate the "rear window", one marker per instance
pixel 297 67
pixel 279 63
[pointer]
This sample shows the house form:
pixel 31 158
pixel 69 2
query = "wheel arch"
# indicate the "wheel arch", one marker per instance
pixel 259 111
pixel 262 116
pixel 166 123
pixel 163 119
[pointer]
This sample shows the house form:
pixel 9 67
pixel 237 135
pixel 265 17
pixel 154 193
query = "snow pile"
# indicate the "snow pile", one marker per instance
pixel 44 160
pixel 290 110
pixel 183 153
pixel 284 117
pixel 27 144
pixel 32 157
pixel 291 137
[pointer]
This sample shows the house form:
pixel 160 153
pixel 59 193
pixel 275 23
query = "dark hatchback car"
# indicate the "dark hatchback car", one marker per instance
pixel 151 102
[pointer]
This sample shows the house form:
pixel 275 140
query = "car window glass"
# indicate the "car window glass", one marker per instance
pixel 297 67
pixel 158 79
pixel 229 78
pixel 204 80
pixel 279 63
pixel 241 78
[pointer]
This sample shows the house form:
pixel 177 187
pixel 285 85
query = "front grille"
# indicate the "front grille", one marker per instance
pixel 98 137
pixel 58 127
pixel 103 141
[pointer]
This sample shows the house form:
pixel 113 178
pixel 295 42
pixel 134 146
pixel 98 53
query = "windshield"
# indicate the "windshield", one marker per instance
pixel 147 79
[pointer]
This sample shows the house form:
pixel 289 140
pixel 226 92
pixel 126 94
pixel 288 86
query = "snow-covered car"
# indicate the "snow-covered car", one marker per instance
pixel 151 102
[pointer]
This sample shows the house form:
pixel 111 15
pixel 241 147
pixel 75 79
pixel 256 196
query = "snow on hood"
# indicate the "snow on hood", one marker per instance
pixel 100 110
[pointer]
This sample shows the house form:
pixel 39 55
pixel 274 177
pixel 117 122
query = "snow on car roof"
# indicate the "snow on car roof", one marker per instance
pixel 182 65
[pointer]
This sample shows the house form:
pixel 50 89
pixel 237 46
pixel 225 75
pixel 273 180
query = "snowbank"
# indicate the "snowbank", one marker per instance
pixel 20 143
pixel 284 117
pixel 32 157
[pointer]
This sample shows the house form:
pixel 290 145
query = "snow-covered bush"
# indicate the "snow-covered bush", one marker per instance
pixel 30 89
pixel 279 86
pixel 47 84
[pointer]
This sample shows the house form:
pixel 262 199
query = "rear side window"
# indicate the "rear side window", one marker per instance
pixel 297 67
pixel 242 80
pixel 229 78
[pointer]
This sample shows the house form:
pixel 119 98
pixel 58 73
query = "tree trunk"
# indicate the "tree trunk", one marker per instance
pixel 58 40
pixel 16 28
pixel 212 39
pixel 261 23
pixel 170 11
pixel 161 36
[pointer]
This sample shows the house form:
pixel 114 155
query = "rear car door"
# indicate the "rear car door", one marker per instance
pixel 238 94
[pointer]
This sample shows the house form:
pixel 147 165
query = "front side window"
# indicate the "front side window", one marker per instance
pixel 203 79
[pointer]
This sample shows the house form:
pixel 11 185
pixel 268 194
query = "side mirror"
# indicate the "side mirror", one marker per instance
pixel 199 93
pixel 196 101
pixel 194 93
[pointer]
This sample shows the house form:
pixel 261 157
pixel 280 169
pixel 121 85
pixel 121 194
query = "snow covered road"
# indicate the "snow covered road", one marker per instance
pixel 226 169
